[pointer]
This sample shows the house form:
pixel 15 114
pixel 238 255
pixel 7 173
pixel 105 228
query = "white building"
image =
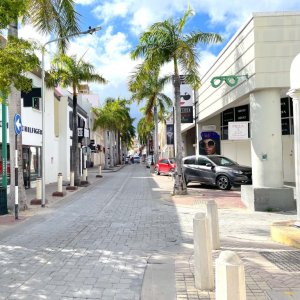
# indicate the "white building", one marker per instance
pixel 260 53
pixel 58 132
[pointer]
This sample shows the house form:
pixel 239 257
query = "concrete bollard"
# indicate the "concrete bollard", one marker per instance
pixel 84 181
pixel 59 192
pixel 38 193
pixel 72 178
pixel 39 188
pixel 71 187
pixel 213 223
pixel 84 174
pixel 230 277
pixel 59 182
pixel 204 279
pixel 99 172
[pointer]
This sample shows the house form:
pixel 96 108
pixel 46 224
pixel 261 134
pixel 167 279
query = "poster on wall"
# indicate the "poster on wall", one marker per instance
pixel 170 134
pixel 238 130
pixel 209 143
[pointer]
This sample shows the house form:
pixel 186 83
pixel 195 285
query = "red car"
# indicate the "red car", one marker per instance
pixel 165 166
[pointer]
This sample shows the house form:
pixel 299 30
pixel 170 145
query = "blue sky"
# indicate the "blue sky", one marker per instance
pixel 122 22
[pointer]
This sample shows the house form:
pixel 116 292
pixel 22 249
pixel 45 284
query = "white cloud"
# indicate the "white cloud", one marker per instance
pixel 108 10
pixel 207 59
pixel 109 53
pixel 141 19
pixel 108 50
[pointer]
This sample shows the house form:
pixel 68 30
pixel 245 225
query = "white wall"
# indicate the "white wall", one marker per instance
pixel 288 158
pixel 238 151
pixel 52 149
pixel 263 49
pixel 64 138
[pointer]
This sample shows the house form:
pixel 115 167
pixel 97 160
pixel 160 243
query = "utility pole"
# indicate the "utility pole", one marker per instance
pixel 3 195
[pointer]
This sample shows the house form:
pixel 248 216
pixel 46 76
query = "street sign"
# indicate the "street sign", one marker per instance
pixel 17 124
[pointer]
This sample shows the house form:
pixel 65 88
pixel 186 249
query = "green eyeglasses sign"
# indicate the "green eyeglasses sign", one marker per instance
pixel 230 80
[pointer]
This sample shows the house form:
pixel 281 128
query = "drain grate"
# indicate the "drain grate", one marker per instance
pixel 285 260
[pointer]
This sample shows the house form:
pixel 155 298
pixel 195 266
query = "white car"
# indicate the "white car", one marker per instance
pixel 136 159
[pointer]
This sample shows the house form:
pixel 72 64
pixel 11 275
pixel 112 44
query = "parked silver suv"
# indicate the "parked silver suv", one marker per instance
pixel 215 170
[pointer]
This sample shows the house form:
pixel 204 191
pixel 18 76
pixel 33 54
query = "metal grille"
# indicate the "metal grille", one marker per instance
pixel 285 260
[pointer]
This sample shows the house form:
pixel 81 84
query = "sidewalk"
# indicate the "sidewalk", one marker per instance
pixel 272 270
pixel 9 219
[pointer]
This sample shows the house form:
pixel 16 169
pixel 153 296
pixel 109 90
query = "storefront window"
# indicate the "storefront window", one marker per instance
pixel 237 114
pixel 31 164
pixel 34 163
pixel 287 126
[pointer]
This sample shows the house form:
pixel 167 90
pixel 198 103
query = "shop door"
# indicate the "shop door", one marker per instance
pixel 26 168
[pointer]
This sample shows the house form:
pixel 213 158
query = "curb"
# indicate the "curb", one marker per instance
pixel 286 233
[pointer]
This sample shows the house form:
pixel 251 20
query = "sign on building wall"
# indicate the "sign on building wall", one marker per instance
pixel 186 101
pixel 80 132
pixel 237 130
pixel 236 114
pixel 170 134
pixel 187 114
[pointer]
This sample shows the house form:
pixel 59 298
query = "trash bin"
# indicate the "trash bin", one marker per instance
pixel 3 201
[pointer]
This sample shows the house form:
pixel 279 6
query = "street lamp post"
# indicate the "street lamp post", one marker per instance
pixel 89 31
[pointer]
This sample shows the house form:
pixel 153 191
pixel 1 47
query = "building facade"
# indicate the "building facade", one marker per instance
pixel 259 55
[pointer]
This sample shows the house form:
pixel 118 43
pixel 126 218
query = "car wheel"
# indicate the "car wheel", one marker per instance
pixel 223 183
pixel 156 171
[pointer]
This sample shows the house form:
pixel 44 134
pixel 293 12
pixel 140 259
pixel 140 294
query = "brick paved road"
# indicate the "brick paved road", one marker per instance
pixel 98 243
pixel 94 246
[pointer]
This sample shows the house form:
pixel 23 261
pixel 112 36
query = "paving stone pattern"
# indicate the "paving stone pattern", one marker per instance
pixel 96 244
pixel 94 247
pixel 285 260
pixel 246 233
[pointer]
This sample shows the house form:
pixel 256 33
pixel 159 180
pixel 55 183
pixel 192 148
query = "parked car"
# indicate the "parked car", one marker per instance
pixel 165 166
pixel 136 159
pixel 149 161
pixel 215 170
pixel 127 159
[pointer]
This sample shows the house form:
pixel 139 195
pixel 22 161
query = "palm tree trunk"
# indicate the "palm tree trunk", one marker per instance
pixel 106 150
pixel 179 184
pixel 119 150
pixel 111 149
pixel 155 134
pixel 75 150
pixel 14 107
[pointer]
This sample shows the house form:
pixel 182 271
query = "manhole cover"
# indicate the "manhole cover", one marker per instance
pixel 285 260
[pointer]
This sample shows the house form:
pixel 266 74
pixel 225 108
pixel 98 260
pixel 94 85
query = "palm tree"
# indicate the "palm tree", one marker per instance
pixel 72 72
pixel 165 42
pixel 145 128
pixel 114 116
pixel 48 16
pixel 148 85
